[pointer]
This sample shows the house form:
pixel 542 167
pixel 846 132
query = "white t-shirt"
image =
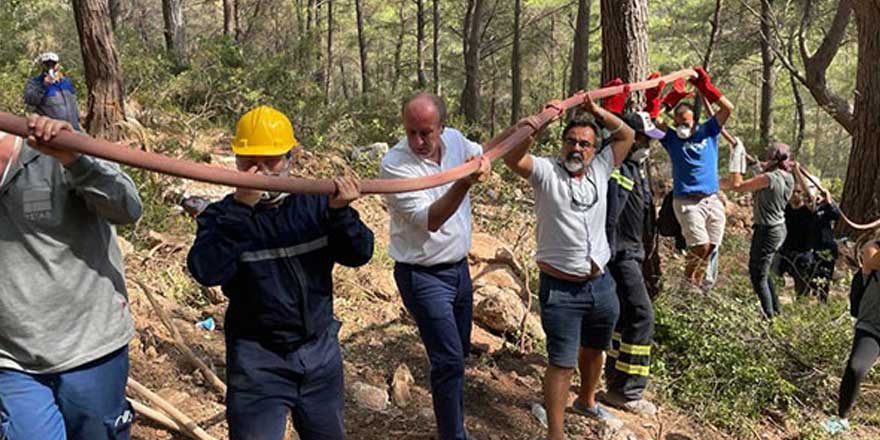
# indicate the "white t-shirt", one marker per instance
pixel 411 241
pixel 571 214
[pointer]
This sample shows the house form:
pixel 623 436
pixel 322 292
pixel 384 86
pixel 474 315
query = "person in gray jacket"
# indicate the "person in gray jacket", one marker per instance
pixel 51 93
pixel 65 322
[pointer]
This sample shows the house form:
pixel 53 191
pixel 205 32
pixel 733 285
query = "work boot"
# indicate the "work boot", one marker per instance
pixel 639 407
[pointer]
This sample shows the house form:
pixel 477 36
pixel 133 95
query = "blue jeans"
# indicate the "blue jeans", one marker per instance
pixel 766 241
pixel 440 299
pixel 86 403
pixel 576 315
pixel 266 382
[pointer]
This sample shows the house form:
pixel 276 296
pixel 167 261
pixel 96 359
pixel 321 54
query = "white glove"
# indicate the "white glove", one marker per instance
pixel 737 162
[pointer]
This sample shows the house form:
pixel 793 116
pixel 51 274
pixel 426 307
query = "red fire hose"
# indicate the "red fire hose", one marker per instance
pixel 496 148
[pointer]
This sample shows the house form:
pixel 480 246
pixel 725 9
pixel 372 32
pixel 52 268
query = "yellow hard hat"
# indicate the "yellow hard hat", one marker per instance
pixel 263 131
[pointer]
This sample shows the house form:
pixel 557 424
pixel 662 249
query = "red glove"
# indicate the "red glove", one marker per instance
pixel 652 96
pixel 615 103
pixel 704 85
pixel 676 94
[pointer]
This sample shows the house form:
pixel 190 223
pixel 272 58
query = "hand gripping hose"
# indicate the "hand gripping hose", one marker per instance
pixel 496 148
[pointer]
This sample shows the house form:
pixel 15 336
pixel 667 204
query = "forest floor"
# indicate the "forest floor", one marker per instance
pixel 378 338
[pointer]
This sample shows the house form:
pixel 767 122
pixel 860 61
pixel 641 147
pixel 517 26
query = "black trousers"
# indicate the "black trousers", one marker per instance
pixel 865 350
pixel 628 364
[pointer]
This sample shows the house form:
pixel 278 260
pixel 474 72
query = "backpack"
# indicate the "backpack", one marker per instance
pixel 857 290
pixel 667 224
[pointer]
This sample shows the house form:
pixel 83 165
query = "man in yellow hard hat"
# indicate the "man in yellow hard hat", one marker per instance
pixel 273 254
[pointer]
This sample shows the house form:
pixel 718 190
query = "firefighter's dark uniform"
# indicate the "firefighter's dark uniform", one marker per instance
pixel 282 351
pixel 630 208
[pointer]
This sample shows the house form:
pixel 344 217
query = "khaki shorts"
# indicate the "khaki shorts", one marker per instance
pixel 702 219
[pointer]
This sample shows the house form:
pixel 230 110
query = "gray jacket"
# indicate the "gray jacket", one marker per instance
pixel 57 100
pixel 63 301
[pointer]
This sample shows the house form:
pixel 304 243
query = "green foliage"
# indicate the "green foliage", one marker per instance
pixel 717 357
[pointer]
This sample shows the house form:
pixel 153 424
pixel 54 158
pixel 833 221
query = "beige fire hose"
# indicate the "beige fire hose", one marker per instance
pixel 496 148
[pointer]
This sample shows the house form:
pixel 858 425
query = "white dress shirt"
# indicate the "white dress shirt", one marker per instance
pixel 411 242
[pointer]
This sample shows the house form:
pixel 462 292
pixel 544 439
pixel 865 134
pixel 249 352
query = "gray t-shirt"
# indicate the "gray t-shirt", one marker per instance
pixel 869 308
pixel 571 214
pixel 62 297
pixel 769 203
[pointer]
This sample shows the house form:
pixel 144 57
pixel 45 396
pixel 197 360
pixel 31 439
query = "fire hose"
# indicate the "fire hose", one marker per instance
pixel 496 148
pixel 857 226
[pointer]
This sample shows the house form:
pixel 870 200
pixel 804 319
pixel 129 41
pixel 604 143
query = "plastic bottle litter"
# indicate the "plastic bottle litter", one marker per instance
pixel 206 324
pixel 540 413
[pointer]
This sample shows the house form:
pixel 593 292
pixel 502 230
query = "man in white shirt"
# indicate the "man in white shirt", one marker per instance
pixel 430 239
pixel 579 306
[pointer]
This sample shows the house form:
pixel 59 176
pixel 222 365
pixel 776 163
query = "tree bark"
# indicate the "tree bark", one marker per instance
pixel 398 47
pixel 516 65
pixel 328 78
pixel 362 46
pixel 861 192
pixel 115 11
pixel 106 101
pixel 625 56
pixel 420 44
pixel 228 12
pixel 768 76
pixel 580 56
pixel 175 34
pixel 436 44
pixel 236 19
pixel 710 49
pixel 625 41
pixel 470 96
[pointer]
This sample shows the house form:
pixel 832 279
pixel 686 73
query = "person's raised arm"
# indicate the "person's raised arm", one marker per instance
pixel 704 84
pixel 622 136
pixel 518 159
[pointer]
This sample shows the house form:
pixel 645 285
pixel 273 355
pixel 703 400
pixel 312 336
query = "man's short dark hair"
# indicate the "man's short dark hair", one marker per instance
pixel 438 102
pixel 682 107
pixel 581 121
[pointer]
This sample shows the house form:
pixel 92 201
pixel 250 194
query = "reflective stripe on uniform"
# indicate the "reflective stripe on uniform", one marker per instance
pixel 624 182
pixel 285 252
pixel 635 370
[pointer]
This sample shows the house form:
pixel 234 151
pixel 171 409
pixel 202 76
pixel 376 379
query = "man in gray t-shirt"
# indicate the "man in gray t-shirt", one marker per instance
pixel 65 323
pixel 579 306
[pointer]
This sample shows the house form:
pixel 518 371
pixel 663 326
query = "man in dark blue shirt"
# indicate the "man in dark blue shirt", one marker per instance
pixel 693 150
pixel 273 254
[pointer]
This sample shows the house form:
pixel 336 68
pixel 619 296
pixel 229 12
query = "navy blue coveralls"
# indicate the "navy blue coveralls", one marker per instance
pixel 282 352
pixel 629 206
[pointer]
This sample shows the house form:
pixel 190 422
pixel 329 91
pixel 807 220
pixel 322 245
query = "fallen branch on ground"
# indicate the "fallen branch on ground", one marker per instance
pixel 189 426
pixel 179 342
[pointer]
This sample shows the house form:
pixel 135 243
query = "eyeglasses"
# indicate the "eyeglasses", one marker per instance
pixel 583 144
pixel 579 194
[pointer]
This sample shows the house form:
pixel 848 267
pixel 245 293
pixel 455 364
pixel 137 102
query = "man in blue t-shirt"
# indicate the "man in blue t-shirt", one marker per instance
pixel 693 150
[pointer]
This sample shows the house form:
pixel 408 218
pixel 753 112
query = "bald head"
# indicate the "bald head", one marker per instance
pixel 425 105
pixel 424 116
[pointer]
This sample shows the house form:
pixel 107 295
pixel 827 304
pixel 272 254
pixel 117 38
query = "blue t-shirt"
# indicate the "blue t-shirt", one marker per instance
pixel 695 160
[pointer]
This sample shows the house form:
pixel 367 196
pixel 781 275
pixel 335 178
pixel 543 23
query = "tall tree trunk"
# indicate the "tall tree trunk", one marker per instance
pixel 515 66
pixel 106 102
pixel 362 46
pixel 580 56
pixel 625 41
pixel 625 56
pixel 236 19
pixel 710 48
pixel 343 80
pixel 470 96
pixel 228 12
pixel 175 35
pixel 115 11
pixel 398 47
pixel 420 44
pixel 861 192
pixel 328 80
pixel 436 44
pixel 768 76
